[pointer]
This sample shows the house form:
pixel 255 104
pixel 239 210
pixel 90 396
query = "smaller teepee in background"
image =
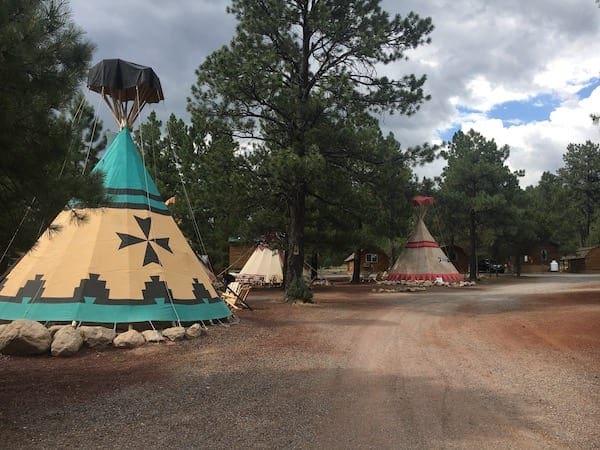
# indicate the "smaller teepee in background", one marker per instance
pixel 422 258
pixel 265 265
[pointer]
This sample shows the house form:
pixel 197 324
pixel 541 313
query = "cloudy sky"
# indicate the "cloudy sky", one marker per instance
pixel 525 73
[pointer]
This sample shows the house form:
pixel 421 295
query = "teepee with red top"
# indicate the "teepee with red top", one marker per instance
pixel 422 258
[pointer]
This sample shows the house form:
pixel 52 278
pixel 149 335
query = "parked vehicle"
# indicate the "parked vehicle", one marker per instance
pixel 489 265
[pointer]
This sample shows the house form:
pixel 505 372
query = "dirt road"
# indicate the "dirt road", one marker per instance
pixel 509 363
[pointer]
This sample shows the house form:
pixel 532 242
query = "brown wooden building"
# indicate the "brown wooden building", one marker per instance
pixel 539 257
pixel 457 256
pixel 587 259
pixel 239 253
pixel 371 261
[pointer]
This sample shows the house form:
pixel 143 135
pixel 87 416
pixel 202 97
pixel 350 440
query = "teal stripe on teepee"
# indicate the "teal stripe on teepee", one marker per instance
pixel 125 177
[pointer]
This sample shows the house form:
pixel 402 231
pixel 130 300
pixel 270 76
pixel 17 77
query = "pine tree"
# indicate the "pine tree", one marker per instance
pixel 295 74
pixel 43 59
pixel 478 187
pixel 581 175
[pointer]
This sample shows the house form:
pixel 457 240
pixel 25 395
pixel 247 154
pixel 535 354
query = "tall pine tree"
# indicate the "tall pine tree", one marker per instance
pixel 581 175
pixel 478 187
pixel 43 59
pixel 298 70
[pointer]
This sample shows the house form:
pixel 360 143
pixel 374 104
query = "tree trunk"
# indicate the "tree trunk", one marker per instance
pixel 295 238
pixel 314 262
pixel 357 260
pixel 284 270
pixel 473 240
pixel 589 211
pixel 3 268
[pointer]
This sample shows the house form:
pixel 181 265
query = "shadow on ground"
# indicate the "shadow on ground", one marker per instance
pixel 338 408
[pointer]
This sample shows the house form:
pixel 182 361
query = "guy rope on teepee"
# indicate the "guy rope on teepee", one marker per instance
pixel 129 261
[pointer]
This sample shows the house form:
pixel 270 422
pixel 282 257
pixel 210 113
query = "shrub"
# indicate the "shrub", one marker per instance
pixel 298 291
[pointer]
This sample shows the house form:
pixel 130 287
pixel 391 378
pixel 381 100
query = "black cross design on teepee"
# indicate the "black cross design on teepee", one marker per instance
pixel 150 256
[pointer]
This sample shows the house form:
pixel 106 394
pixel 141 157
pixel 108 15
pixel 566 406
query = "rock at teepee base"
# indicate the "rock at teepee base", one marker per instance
pixel 153 336
pixel 54 328
pixel 194 331
pixel 67 341
pixel 174 333
pixel 24 337
pixel 129 339
pixel 97 336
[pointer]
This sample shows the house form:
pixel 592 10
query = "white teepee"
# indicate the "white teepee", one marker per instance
pixel 265 265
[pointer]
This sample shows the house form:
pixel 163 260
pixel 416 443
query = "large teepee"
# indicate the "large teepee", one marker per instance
pixel 422 258
pixel 265 265
pixel 125 262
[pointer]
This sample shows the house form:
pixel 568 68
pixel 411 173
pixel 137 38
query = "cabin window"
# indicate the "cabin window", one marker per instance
pixel 371 257
pixel 544 254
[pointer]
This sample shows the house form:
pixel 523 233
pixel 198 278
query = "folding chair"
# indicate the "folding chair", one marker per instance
pixel 236 294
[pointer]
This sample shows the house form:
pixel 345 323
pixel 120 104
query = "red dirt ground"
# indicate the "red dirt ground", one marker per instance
pixel 508 363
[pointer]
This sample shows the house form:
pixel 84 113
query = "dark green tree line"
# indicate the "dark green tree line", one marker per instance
pixel 300 70
pixel 370 189
pixel 478 189
pixel 206 179
pixel 552 209
pixel 479 194
pixel 581 177
pixel 43 59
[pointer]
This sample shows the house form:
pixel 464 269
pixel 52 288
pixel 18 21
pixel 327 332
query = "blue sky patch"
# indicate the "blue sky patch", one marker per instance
pixel 464 110
pixel 587 91
pixel 446 135
pixel 520 112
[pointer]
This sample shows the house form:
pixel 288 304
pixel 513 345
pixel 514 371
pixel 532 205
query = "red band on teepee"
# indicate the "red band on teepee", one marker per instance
pixel 425 276
pixel 419 244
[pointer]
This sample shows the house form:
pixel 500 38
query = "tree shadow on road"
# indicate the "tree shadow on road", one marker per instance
pixel 275 407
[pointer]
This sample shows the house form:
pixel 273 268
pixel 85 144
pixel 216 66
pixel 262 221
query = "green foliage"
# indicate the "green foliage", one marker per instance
pixel 581 178
pixel 594 236
pixel 189 165
pixel 298 80
pixel 551 209
pixel 88 139
pixel 361 201
pixel 298 291
pixel 477 190
pixel 43 58
pixel 158 155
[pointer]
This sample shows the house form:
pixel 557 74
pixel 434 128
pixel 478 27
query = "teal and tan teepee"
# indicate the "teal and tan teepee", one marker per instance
pixel 125 262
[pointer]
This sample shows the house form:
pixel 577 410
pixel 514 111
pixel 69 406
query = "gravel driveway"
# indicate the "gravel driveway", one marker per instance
pixel 507 363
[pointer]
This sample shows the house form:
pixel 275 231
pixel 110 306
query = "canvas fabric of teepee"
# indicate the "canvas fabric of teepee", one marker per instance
pixel 264 263
pixel 125 262
pixel 422 259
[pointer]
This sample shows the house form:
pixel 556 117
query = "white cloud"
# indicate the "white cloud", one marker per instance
pixel 482 95
pixel 509 51
pixel 539 146
pixel 482 54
